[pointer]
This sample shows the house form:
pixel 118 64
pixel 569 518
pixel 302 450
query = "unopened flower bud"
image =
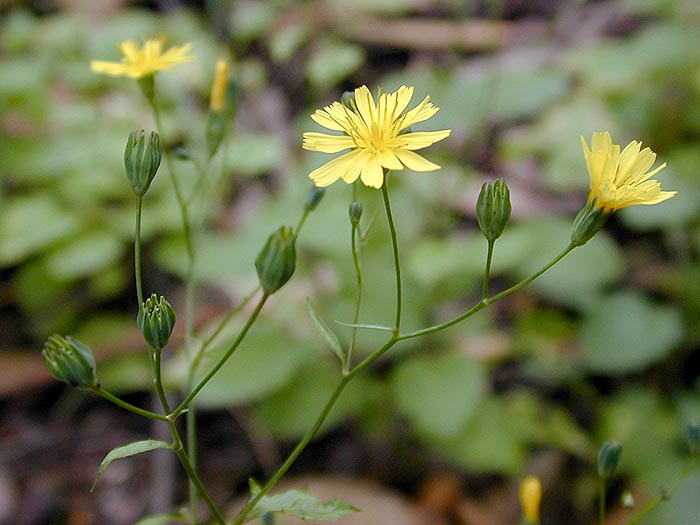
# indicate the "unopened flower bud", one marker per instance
pixel 608 458
pixel 589 221
pixel 313 198
pixel 156 319
pixel 276 262
pixel 347 99
pixel 142 159
pixel 530 498
pixel 69 360
pixel 493 209
pixel 355 212
pixel 692 434
pixel 222 106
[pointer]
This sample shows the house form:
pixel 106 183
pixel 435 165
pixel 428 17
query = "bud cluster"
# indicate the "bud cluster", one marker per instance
pixel 276 262
pixel 493 209
pixel 156 319
pixel 69 360
pixel 142 159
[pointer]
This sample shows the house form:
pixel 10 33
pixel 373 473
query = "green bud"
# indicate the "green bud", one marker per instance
pixel 493 209
pixel 276 262
pixel 313 198
pixel 608 458
pixel 142 159
pixel 692 434
pixel 156 319
pixel 347 99
pixel 355 212
pixel 70 360
pixel 589 221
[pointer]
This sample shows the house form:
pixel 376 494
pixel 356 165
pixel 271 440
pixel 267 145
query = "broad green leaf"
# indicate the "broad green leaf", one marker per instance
pixel 32 224
pixel 626 332
pixel 86 255
pixel 300 504
pixel 137 447
pixel 328 335
pixel 332 62
pixel 439 395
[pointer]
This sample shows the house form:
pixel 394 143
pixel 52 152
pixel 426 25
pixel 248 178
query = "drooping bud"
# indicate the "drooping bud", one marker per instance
pixel 142 159
pixel 493 209
pixel 313 198
pixel 355 212
pixel 608 458
pixel 276 262
pixel 156 319
pixel 69 360
pixel 589 221
pixel 222 106
pixel 692 434
pixel 530 498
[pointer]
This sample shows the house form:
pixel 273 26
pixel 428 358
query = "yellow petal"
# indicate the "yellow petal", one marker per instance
pixel 324 143
pixel 419 139
pixel 415 162
pixel 372 174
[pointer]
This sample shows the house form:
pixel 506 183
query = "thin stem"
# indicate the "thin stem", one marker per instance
pixel 192 474
pixel 128 406
pixel 487 269
pixel 347 365
pixel 306 439
pixel 158 378
pixel 193 393
pixel 490 300
pixel 666 494
pixel 395 249
pixel 345 380
pixel 601 501
pixel 137 251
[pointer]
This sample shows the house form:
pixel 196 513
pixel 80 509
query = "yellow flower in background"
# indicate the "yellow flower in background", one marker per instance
pixel 530 498
pixel 217 97
pixel 142 62
pixel 621 178
pixel 375 135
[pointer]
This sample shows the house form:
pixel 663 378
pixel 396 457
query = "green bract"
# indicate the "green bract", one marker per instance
pixel 70 360
pixel 142 159
pixel 276 262
pixel 493 208
pixel 156 319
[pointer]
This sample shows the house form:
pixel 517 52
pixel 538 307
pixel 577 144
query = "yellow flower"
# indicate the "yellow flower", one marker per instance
pixel 621 178
pixel 530 498
pixel 373 133
pixel 139 63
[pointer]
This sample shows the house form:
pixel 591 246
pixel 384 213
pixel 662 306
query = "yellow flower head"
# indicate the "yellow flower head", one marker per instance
pixel 621 178
pixel 373 133
pixel 530 498
pixel 139 63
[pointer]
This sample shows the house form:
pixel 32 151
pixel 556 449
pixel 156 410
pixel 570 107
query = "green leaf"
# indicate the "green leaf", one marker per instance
pixel 30 225
pixel 333 62
pixel 625 332
pixel 328 335
pixel 137 447
pixel 86 255
pixel 300 504
pixel 439 395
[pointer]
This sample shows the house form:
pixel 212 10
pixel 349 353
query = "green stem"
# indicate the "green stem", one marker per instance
pixel 347 365
pixel 489 300
pixel 345 380
pixel 128 406
pixel 665 495
pixel 601 501
pixel 158 378
pixel 306 439
pixel 487 269
pixel 193 393
pixel 137 251
pixel 395 249
pixel 193 475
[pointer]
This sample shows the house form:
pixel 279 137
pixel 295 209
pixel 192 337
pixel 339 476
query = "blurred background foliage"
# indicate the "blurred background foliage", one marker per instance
pixel 604 346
